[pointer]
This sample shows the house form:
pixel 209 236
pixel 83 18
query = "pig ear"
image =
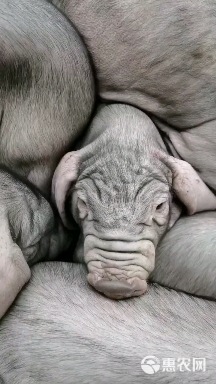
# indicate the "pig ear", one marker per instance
pixel 188 186
pixel 65 174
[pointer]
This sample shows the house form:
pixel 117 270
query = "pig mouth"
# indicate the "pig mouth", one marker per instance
pixel 119 269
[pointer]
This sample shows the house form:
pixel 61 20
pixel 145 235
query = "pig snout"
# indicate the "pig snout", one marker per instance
pixel 117 289
pixel 119 269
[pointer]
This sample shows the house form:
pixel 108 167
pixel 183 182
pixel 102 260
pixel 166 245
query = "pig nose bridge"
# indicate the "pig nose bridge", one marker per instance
pixel 121 212
pixel 112 253
pixel 114 234
pixel 125 231
pixel 115 241
pixel 126 216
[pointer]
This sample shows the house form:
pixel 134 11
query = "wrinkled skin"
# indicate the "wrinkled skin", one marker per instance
pixel 47 89
pixel 30 231
pixel 159 56
pixel 46 99
pixel 186 256
pixel 118 186
pixel 60 331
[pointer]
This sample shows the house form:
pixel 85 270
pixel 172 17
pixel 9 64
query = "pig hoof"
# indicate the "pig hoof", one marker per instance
pixel 118 289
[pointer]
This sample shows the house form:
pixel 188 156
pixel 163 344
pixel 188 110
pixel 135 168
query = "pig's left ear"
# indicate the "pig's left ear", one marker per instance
pixel 64 176
pixel 188 186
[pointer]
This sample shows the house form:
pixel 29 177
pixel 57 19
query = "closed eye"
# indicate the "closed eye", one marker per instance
pixel 160 206
pixel 82 208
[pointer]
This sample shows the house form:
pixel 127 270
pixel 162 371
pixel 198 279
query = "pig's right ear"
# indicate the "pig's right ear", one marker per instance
pixel 188 186
pixel 64 176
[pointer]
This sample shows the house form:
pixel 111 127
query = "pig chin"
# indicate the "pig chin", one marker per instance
pixel 118 269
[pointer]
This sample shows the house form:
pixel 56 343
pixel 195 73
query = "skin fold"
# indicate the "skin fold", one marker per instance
pixel 30 231
pixel 46 100
pixel 61 331
pixel 118 186
pixel 159 56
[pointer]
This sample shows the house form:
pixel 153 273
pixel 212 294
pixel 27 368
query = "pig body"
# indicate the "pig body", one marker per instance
pixel 61 331
pixel 118 186
pixel 186 256
pixel 158 56
pixel 46 99
pixel 47 89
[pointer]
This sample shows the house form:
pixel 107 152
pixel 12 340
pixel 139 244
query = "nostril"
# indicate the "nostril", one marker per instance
pixel 116 289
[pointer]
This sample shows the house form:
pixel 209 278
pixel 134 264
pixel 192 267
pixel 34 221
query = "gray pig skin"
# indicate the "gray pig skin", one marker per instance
pixel 30 231
pixel 160 56
pixel 46 99
pixel 118 186
pixel 47 88
pixel 186 256
pixel 119 195
pixel 61 332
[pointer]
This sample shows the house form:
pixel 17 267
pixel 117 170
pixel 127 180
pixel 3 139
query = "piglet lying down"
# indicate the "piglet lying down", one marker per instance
pixel 118 187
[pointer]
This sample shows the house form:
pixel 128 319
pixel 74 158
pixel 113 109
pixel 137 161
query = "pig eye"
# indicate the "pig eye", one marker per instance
pixel 161 212
pixel 160 206
pixel 82 208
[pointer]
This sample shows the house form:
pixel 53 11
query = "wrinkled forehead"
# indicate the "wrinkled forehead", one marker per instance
pixel 111 188
pixel 116 205
pixel 124 164
pixel 122 172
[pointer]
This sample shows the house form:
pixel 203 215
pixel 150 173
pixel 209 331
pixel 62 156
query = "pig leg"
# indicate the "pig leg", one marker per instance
pixel 186 256
pixel 14 270
pixel 29 232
